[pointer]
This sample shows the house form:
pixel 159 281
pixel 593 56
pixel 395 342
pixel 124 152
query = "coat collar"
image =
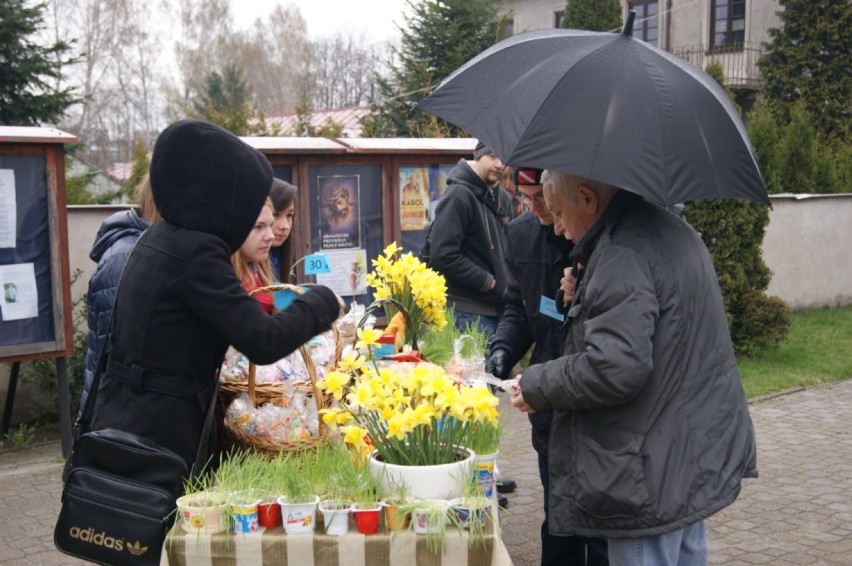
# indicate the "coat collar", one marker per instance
pixel 586 246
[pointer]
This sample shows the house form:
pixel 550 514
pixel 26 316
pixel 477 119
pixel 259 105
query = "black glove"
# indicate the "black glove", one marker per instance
pixel 498 364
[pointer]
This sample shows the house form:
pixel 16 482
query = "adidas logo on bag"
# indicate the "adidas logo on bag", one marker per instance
pixel 102 539
pixel 136 549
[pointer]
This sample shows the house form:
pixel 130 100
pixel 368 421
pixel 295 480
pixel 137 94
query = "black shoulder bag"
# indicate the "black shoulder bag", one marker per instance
pixel 120 491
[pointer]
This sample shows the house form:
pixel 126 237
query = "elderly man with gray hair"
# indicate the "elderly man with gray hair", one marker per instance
pixel 651 432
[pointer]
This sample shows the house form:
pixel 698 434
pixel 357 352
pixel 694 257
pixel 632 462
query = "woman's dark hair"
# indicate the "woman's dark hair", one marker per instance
pixel 282 194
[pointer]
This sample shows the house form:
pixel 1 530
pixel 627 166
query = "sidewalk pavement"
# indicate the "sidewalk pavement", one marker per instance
pixel 798 512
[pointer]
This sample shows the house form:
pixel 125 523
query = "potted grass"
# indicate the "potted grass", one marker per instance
pixel 484 440
pixel 298 500
pixel 336 478
pixel 243 476
pixel 470 511
pixel 396 494
pixel 202 509
pixel 429 517
pixel 366 509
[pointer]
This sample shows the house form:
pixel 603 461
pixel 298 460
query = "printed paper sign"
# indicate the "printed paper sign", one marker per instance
pixel 8 209
pixel 20 294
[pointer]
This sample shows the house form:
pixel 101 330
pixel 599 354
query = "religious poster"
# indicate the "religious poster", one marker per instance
pixel 340 226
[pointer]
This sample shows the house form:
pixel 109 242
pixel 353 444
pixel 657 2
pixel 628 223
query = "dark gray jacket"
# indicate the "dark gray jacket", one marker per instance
pixel 468 242
pixel 651 430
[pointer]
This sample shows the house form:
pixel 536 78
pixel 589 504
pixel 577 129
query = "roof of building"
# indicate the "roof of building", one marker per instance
pixel 349 118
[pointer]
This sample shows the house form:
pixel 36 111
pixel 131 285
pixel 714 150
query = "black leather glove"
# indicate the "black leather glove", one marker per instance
pixel 498 364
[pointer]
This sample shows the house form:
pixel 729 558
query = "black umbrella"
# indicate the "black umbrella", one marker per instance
pixel 608 107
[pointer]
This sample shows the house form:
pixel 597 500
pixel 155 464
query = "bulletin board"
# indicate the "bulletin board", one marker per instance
pixel 35 303
pixel 347 224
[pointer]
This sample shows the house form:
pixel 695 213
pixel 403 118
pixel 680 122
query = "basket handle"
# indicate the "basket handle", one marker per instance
pixel 380 304
pixel 319 398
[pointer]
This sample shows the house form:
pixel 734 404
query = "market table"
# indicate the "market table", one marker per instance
pixel 274 547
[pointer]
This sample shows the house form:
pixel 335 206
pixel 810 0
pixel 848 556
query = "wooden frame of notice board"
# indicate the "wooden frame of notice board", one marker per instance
pixel 35 286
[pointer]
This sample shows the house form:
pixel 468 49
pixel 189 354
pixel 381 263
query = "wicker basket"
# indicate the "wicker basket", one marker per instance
pixel 269 392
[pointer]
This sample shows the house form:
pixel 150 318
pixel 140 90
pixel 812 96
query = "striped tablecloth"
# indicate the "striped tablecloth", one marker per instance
pixel 274 547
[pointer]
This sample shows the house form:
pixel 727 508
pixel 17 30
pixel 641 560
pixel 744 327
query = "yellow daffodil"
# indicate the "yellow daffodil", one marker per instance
pixel 367 338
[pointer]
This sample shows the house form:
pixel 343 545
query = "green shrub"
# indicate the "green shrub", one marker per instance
pixel 733 231
pixel 43 372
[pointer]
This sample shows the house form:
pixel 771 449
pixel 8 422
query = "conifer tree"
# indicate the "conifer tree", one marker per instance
pixel 593 15
pixel 225 101
pixel 28 95
pixel 810 59
pixel 437 38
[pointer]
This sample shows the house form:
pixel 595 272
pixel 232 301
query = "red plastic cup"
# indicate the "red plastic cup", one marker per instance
pixel 269 514
pixel 367 520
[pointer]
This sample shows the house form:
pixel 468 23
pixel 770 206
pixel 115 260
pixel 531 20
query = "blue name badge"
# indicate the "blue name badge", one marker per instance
pixel 547 306
pixel 316 263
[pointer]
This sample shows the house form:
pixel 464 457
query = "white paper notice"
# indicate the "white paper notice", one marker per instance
pixel 20 295
pixel 8 209
pixel 348 275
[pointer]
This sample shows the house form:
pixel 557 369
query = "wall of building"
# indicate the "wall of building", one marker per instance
pixel 533 14
pixel 689 19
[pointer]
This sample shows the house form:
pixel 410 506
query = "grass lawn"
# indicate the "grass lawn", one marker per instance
pixel 817 350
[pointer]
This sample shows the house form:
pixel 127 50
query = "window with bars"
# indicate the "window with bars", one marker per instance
pixel 647 20
pixel 727 23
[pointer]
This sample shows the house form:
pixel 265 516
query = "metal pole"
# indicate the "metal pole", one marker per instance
pixel 10 399
pixel 64 405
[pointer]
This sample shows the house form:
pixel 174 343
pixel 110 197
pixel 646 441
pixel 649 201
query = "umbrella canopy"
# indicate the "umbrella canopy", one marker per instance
pixel 608 107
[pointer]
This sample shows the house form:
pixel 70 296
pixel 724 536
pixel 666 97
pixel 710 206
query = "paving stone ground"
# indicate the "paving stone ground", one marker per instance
pixel 799 512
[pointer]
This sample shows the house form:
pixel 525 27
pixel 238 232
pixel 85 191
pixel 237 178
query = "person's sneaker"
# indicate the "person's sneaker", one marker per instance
pixel 506 486
pixel 502 501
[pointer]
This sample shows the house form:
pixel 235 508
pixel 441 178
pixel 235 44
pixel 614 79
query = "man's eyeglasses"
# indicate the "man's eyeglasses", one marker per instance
pixel 538 199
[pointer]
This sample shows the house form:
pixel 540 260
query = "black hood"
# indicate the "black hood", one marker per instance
pixel 205 178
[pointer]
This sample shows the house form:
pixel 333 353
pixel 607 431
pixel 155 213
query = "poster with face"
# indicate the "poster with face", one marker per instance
pixel 340 225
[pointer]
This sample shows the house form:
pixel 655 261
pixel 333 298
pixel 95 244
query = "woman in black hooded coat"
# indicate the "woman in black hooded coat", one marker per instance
pixel 180 305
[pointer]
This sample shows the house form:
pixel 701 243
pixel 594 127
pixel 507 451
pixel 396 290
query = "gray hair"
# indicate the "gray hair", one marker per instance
pixel 566 185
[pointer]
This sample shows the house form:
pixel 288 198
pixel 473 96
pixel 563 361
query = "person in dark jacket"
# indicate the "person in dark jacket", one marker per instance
pixel 537 257
pixel 179 304
pixel 468 240
pixel 113 242
pixel 651 432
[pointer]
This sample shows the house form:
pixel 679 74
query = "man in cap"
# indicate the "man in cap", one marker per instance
pixel 651 432
pixel 538 257
pixel 468 240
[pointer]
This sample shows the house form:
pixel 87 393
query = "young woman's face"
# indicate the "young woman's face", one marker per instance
pixel 257 244
pixel 282 224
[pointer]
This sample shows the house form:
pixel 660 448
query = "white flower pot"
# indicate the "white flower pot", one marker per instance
pixel 442 481
pixel 299 517
pixel 203 513
pixel 335 516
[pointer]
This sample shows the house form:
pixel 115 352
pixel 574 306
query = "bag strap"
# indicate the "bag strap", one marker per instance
pixel 84 421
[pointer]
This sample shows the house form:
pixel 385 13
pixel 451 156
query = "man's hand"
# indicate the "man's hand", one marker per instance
pixel 517 398
pixel 498 364
pixel 566 285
